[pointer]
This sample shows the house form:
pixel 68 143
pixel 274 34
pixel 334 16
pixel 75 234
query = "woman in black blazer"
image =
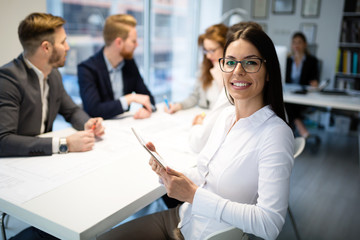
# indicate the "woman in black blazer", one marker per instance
pixel 301 68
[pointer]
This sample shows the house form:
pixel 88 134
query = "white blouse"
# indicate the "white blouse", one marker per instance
pixel 199 133
pixel 244 177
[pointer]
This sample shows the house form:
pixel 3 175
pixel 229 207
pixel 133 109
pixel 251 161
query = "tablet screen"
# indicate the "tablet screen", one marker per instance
pixel 157 157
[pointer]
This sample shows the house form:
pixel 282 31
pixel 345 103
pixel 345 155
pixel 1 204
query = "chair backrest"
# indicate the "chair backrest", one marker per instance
pixel 299 145
pixel 231 233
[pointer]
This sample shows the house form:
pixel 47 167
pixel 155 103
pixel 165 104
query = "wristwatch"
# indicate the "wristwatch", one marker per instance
pixel 63 147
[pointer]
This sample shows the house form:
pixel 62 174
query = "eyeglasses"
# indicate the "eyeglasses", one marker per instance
pixel 211 51
pixel 250 65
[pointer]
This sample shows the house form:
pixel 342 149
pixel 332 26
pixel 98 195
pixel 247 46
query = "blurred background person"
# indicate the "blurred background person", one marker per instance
pixel 209 84
pixel 301 68
pixel 110 80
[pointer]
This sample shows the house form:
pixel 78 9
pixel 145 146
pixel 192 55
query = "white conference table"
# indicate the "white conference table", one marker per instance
pixel 317 99
pixel 95 201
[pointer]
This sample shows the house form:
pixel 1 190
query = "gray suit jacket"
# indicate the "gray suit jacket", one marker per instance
pixel 21 111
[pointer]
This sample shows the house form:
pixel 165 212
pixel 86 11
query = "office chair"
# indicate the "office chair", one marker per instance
pixel 2 224
pixel 299 145
pixel 233 233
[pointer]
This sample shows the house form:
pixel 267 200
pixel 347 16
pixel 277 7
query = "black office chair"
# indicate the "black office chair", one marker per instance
pixel 2 224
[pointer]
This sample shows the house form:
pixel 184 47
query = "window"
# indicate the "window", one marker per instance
pixel 167 39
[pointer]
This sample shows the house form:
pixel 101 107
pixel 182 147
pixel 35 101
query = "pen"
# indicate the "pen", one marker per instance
pixel 166 102
pixel 94 125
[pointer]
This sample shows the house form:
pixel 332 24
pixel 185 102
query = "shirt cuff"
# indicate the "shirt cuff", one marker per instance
pixel 208 204
pixel 55 144
pixel 124 103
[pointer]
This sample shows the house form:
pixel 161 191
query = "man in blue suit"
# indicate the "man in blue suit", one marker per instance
pixel 110 80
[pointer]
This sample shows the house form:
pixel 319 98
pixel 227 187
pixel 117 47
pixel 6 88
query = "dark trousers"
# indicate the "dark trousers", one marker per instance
pixel 295 111
pixel 32 233
pixel 156 226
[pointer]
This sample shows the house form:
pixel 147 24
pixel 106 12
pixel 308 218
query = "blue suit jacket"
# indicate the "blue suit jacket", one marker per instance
pixel 96 90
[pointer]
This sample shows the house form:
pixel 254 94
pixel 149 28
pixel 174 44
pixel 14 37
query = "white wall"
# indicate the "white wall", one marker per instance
pixel 210 13
pixel 281 27
pixel 11 13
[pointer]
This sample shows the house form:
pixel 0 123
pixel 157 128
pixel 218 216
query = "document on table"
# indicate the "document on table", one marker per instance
pixel 170 134
pixel 171 131
pixel 22 179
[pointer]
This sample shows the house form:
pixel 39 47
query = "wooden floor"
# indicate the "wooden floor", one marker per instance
pixel 325 190
pixel 324 194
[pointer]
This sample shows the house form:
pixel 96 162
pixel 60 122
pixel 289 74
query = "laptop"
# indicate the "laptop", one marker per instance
pixel 332 91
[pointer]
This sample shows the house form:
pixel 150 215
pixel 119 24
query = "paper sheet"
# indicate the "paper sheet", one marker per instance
pixel 24 178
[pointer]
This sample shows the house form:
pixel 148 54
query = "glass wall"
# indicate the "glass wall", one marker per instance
pixel 167 36
pixel 173 41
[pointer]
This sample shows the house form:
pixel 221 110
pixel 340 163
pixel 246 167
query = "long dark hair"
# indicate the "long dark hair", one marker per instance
pixel 272 92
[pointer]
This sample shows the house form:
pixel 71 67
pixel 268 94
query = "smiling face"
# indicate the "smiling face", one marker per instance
pixel 245 88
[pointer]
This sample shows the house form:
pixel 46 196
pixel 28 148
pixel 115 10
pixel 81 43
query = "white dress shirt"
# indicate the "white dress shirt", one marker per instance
pixel 116 79
pixel 296 70
pixel 44 91
pixel 244 177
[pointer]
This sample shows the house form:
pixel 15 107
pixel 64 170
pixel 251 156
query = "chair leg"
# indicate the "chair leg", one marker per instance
pixel 294 224
pixel 2 223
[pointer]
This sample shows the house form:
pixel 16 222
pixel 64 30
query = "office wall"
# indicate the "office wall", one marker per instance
pixel 281 27
pixel 210 13
pixel 11 13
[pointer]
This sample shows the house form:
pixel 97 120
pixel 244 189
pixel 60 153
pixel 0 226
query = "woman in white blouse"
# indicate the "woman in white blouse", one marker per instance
pixel 201 128
pixel 243 173
pixel 209 85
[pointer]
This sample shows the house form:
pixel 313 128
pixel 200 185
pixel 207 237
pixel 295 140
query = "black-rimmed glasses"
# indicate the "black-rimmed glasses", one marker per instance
pixel 210 51
pixel 250 65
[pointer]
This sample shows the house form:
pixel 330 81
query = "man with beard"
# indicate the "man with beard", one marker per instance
pixel 110 80
pixel 32 94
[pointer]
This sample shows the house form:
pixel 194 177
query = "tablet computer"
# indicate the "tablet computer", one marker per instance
pixel 155 155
